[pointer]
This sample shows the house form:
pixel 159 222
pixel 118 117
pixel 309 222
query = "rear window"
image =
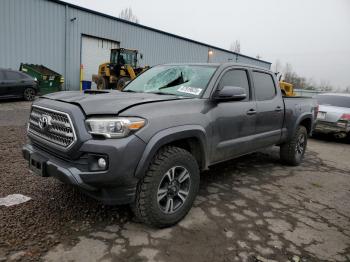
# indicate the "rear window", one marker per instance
pixel 332 100
pixel 264 86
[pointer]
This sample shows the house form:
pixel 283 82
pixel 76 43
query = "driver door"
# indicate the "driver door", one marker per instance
pixel 234 127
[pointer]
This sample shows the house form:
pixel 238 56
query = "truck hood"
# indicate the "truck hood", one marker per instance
pixel 107 101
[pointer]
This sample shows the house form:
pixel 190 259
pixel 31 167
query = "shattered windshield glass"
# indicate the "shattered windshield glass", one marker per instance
pixel 187 80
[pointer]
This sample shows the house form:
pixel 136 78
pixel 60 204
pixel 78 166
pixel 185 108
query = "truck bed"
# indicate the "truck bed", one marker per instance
pixel 295 108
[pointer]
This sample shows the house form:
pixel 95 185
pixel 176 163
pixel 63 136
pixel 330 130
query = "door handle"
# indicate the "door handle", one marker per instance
pixel 251 112
pixel 278 109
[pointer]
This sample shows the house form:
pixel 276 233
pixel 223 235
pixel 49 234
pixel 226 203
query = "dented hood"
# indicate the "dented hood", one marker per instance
pixel 107 101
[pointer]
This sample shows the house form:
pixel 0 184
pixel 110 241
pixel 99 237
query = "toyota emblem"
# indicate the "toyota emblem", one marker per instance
pixel 44 122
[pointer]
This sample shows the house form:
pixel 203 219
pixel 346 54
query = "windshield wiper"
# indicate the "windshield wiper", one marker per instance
pixel 129 91
pixel 160 93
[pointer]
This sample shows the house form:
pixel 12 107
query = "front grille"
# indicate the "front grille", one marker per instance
pixel 54 126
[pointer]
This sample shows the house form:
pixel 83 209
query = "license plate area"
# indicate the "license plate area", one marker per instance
pixel 321 115
pixel 37 164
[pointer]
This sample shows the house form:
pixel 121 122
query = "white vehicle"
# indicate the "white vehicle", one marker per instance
pixel 333 114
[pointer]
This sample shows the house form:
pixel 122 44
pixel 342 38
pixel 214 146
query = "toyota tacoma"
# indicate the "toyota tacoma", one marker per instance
pixel 147 144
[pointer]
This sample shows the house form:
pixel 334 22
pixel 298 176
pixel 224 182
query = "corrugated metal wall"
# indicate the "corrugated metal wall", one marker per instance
pixel 37 31
pixel 32 32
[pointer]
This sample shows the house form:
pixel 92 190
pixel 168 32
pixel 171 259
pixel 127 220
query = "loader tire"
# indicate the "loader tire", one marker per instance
pixel 122 82
pixel 102 83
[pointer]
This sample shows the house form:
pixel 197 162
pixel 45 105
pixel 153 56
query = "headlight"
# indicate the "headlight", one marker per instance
pixel 114 127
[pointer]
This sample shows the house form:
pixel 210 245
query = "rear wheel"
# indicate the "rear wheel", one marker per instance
pixel 102 83
pixel 29 94
pixel 292 153
pixel 348 137
pixel 122 82
pixel 166 193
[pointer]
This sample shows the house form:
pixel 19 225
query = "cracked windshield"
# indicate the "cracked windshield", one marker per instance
pixel 187 81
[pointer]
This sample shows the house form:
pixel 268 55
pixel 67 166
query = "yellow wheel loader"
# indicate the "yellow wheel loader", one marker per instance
pixel 122 67
pixel 286 88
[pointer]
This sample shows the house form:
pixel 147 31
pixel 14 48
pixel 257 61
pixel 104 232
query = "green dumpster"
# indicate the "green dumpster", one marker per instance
pixel 48 80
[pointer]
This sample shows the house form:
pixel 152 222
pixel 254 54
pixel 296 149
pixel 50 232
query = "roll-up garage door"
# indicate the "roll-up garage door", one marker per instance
pixel 95 51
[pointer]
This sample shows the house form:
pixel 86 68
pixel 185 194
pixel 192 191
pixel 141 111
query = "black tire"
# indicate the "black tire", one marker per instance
pixel 122 82
pixel 102 83
pixel 153 206
pixel 29 94
pixel 292 153
pixel 348 137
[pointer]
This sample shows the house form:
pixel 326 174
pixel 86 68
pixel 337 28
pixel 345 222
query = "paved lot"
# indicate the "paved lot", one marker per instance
pixel 249 209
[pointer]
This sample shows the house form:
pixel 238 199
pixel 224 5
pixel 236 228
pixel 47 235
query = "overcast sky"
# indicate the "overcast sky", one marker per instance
pixel 312 35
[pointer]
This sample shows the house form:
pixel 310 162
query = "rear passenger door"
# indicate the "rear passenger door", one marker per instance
pixel 270 108
pixel 234 124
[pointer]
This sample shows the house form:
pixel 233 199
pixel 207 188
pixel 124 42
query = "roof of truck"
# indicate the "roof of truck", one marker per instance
pixel 218 64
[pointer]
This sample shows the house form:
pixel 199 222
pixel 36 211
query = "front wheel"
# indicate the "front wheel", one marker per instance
pixel 166 193
pixel 292 152
pixel 29 94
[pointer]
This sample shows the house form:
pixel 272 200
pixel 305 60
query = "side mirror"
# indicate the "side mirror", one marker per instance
pixel 230 93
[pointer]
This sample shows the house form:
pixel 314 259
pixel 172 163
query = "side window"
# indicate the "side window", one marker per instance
pixel 11 75
pixel 2 75
pixel 264 86
pixel 236 78
pixel 22 75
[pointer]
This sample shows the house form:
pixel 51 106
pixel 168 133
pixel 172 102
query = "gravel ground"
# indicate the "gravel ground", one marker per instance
pixel 249 209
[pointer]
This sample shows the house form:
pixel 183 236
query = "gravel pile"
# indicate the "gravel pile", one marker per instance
pixel 54 212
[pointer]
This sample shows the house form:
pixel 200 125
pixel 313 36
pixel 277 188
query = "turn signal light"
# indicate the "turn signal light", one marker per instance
pixel 136 125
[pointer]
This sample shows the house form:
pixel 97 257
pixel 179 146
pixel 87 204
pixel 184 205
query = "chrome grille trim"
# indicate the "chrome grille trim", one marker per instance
pixel 60 132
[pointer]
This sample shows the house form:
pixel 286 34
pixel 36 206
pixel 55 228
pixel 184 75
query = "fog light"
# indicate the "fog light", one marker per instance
pixel 102 163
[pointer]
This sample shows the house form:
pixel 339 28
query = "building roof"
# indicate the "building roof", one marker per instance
pixel 152 29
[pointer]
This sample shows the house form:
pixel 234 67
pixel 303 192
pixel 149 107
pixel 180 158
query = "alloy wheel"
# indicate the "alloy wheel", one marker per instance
pixel 29 94
pixel 301 143
pixel 173 189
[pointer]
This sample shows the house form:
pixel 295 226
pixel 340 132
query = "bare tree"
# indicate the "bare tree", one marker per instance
pixel 277 66
pixel 288 69
pixel 236 46
pixel 128 15
pixel 325 86
pixel 292 77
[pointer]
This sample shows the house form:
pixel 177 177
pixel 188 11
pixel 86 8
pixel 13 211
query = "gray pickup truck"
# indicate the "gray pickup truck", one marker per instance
pixel 147 144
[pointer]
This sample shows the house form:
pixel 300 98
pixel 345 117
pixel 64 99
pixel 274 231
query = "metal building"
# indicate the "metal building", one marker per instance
pixel 63 36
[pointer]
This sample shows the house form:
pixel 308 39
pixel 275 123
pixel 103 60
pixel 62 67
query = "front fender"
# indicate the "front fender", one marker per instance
pixel 167 136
